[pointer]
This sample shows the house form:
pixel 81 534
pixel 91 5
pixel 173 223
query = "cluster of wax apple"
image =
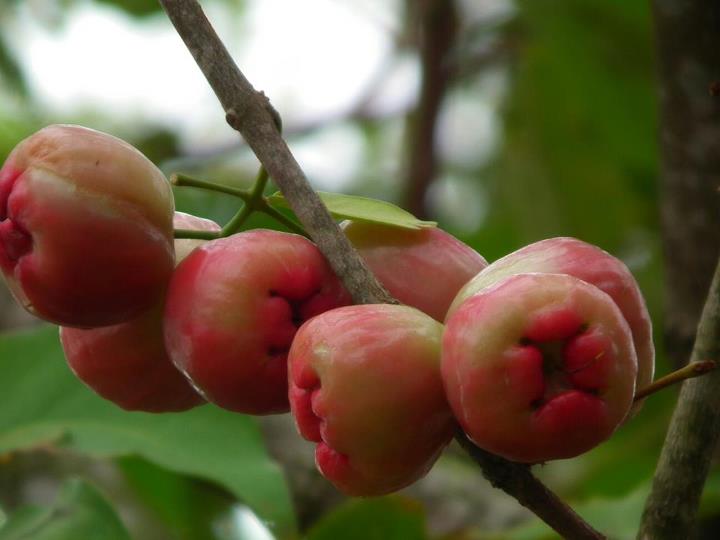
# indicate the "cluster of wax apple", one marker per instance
pixel 538 358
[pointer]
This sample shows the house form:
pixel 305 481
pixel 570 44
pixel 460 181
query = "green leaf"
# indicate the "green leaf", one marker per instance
pixel 387 518
pixel 3 518
pixel 44 404
pixel 78 512
pixel 362 209
pixel 188 507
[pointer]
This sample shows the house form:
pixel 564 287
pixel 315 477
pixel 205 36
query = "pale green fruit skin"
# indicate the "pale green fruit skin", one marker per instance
pixel 589 263
pixel 365 385
pixel 422 268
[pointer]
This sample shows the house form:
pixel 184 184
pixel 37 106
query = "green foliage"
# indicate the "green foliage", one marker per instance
pixel 79 512
pixel 136 8
pixel 45 405
pixel 343 206
pixel 579 154
pixel 10 71
pixel 187 506
pixel 387 518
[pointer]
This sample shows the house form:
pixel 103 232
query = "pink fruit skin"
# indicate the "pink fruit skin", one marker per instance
pixel 127 363
pixel 365 385
pixel 422 268
pixel 539 367
pixel 85 227
pixel 588 263
pixel 232 311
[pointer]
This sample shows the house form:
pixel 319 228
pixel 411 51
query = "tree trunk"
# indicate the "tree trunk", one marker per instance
pixel 688 35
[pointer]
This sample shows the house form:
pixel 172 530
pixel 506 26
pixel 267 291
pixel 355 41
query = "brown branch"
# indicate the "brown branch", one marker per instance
pixel 689 140
pixel 691 439
pixel 690 371
pixel 519 481
pixel 438 21
pixel 687 35
pixel 248 112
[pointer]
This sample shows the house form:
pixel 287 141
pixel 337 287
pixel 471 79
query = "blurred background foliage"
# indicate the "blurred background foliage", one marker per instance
pixel 547 128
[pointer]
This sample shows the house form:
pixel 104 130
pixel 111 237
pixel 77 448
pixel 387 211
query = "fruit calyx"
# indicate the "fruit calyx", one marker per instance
pixel 568 359
pixel 15 241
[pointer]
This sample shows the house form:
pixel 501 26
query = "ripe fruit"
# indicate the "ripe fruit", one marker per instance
pixel 232 311
pixel 589 263
pixel 424 269
pixel 539 367
pixel 127 363
pixel 365 385
pixel 85 227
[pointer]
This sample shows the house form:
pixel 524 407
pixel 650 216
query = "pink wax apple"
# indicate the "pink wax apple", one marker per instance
pixel 365 385
pixel 85 227
pixel 423 268
pixel 232 311
pixel 539 367
pixel 127 363
pixel 588 263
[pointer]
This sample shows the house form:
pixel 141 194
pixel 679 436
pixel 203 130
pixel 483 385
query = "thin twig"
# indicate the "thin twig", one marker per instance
pixel 693 369
pixel 247 111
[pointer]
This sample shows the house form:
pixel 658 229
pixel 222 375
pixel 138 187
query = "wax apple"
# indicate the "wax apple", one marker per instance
pixel 365 385
pixel 232 311
pixel 85 227
pixel 423 268
pixel 589 263
pixel 539 367
pixel 127 363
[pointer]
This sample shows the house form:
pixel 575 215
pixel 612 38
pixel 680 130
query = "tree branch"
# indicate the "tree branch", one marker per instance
pixel 248 112
pixel 517 480
pixel 688 62
pixel 691 439
pixel 687 35
pixel 438 22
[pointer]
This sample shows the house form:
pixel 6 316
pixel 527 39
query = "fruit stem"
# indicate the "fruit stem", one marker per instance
pixel 195 235
pixel 255 201
pixel 182 180
pixel 255 194
pixel 693 369
pixel 282 218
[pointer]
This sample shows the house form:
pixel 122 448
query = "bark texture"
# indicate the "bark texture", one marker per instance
pixel 688 36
